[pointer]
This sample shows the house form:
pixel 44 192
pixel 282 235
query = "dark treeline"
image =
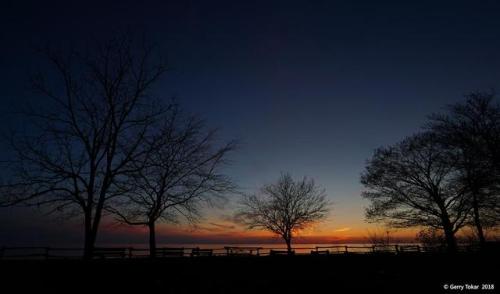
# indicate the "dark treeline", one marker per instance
pixel 444 178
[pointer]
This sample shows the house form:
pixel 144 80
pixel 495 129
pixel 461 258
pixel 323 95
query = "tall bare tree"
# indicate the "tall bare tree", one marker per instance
pixel 97 118
pixel 412 184
pixel 182 171
pixel 472 129
pixel 284 207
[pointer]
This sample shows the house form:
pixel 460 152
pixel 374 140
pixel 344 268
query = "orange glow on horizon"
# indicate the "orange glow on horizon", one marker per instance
pixel 211 232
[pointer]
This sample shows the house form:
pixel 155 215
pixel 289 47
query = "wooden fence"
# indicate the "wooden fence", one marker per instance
pixel 131 252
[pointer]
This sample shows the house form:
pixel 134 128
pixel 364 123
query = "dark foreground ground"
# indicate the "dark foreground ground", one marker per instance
pixel 279 274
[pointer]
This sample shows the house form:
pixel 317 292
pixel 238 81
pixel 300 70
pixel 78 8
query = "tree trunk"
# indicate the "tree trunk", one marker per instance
pixel 288 241
pixel 91 229
pixel 451 242
pixel 288 246
pixel 88 240
pixel 152 240
pixel 477 220
pixel 95 228
pixel 449 234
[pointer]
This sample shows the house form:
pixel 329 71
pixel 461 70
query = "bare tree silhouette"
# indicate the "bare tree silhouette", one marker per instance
pixel 97 118
pixel 182 170
pixel 380 238
pixel 412 183
pixel 284 207
pixel 430 237
pixel 472 129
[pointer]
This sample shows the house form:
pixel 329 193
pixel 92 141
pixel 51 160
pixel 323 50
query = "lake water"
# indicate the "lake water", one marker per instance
pixel 266 247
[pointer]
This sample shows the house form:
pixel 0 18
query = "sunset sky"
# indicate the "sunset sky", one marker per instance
pixel 307 87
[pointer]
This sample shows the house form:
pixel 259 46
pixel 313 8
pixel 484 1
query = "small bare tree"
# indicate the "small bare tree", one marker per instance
pixel 97 119
pixel 431 237
pixel 379 238
pixel 284 207
pixel 181 171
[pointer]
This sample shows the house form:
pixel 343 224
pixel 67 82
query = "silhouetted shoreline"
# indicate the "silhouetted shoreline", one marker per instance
pixel 417 273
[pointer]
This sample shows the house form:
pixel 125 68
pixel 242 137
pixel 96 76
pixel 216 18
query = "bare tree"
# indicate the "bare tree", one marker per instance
pixel 284 207
pixel 472 130
pixel 97 118
pixel 182 171
pixel 412 184
pixel 380 238
pixel 430 238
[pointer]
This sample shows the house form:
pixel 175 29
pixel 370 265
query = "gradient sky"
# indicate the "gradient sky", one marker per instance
pixel 308 87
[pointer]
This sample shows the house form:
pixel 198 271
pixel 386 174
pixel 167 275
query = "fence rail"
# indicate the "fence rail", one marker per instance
pixel 131 252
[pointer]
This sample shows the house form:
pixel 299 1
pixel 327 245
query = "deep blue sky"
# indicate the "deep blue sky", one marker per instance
pixel 309 87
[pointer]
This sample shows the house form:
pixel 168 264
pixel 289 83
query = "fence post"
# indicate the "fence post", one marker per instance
pixel 346 249
pixel 397 248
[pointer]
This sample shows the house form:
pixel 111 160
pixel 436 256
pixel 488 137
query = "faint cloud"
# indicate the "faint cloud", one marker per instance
pixel 227 227
pixel 216 227
pixel 343 230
